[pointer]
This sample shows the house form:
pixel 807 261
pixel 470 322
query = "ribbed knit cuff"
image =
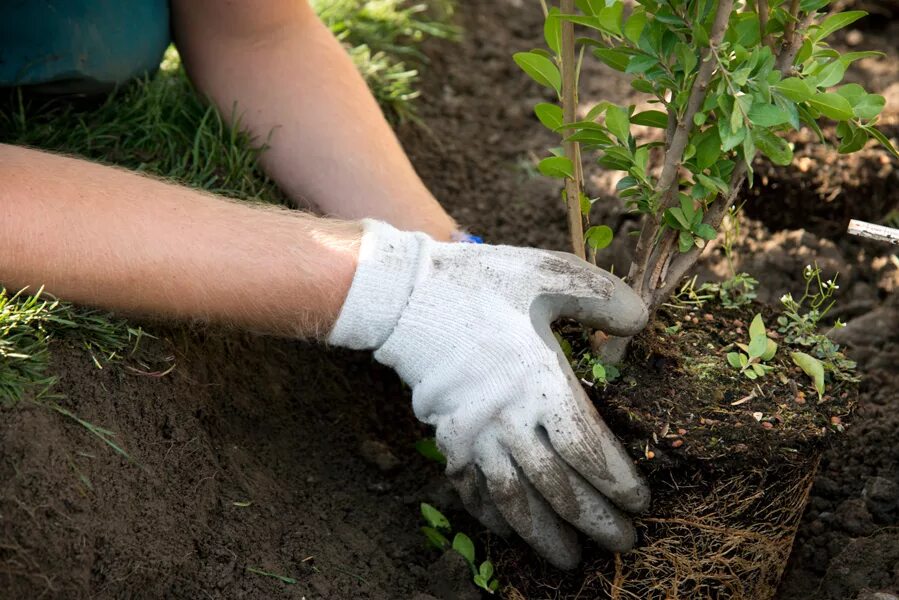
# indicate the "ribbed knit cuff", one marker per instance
pixel 384 279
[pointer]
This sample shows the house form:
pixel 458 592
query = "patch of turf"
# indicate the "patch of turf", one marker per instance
pixel 383 38
pixel 27 325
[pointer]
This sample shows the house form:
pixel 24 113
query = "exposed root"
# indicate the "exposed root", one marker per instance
pixel 730 541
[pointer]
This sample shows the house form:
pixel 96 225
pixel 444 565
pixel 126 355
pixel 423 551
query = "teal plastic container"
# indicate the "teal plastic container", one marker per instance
pixel 80 46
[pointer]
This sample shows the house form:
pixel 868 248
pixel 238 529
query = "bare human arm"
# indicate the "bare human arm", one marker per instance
pixel 277 68
pixel 525 447
pixel 101 236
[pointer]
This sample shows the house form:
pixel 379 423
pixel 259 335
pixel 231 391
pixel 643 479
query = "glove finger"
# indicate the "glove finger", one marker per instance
pixel 594 297
pixel 529 514
pixel 570 495
pixel 472 488
pixel 581 438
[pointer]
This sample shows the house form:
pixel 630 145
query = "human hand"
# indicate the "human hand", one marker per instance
pixel 468 328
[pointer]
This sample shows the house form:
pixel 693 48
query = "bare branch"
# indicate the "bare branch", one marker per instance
pixel 573 186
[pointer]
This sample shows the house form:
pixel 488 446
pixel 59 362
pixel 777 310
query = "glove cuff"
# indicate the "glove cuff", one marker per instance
pixel 387 272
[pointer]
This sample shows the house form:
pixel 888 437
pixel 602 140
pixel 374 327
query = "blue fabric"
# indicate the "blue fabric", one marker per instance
pixel 86 43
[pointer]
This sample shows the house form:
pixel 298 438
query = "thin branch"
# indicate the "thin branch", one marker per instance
pixel 790 27
pixel 761 7
pixel 684 262
pixel 573 185
pixel 674 152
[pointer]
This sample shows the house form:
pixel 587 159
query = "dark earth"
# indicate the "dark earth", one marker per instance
pixel 259 454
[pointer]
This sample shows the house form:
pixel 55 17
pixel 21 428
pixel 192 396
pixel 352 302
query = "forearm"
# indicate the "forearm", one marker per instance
pixel 278 69
pixel 101 236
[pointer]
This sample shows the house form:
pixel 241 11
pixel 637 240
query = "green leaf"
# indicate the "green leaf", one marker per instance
pixel 590 7
pixel 610 17
pixel 869 107
pixel 427 447
pixel 435 538
pixel 282 578
pixel 599 372
pixel 733 358
pixel 687 208
pixel 552 30
pixel 806 117
pixel 634 25
pixel 541 69
pixel 768 115
pixel 832 105
pixel 712 183
pixel 685 241
pixel 759 369
pixel 641 85
pixel 757 327
pixel 770 351
pixel 641 63
pixel 705 231
pixel 585 204
pixel 599 236
pixel 795 89
pixel 549 114
pixel 464 546
pixel 813 367
pixel 434 517
pixel 486 570
pixel 884 140
pixel 687 58
pixel 773 146
pixel 836 22
pixel 590 137
pixel 598 109
pixel 616 59
pixel 618 123
pixel 831 74
pixel 852 92
pixel 680 218
pixel 651 118
pixel 855 141
pixel 556 166
pixel 494 585
pixel 751 374
pixel 758 346
pixel 708 148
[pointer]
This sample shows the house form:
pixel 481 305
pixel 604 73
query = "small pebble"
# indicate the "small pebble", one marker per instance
pixel 650 455
pixel 835 420
pixel 738 323
pixel 682 432
pixel 708 317
pixel 677 443
pixel 768 425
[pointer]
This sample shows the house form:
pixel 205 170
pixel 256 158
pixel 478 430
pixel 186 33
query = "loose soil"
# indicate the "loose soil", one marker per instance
pixel 259 454
pixel 730 461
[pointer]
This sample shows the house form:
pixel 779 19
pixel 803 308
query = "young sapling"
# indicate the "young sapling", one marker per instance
pixel 726 81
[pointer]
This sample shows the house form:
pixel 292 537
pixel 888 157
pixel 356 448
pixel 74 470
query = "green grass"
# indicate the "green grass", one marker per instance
pixel 383 38
pixel 160 126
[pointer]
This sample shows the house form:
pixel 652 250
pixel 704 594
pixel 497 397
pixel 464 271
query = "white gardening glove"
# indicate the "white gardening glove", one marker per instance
pixel 468 328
